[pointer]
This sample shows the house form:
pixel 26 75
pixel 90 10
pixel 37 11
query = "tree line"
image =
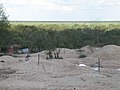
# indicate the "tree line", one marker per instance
pixel 51 36
pixel 37 38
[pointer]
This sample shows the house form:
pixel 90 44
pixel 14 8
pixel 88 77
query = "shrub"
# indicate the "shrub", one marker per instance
pixel 82 56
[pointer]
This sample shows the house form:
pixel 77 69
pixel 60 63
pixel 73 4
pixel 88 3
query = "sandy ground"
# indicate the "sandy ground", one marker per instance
pixel 61 74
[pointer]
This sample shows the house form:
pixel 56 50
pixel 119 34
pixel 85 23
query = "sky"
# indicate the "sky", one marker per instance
pixel 62 10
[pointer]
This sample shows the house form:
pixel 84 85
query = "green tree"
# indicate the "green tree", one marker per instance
pixel 4 28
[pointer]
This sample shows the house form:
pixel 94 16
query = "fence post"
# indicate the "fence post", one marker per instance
pixel 38 59
pixel 99 64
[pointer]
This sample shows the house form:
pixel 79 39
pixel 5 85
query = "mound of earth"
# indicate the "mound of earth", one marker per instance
pixel 64 52
pixel 43 54
pixel 90 61
pixel 109 57
pixel 68 53
pixel 8 58
pixel 8 61
pixel 87 50
pixel 109 52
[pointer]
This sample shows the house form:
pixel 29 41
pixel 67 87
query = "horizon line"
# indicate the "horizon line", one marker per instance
pixel 64 21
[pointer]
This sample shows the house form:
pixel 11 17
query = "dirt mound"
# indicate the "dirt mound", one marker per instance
pixel 109 57
pixel 93 62
pixel 89 61
pixel 87 50
pixel 7 58
pixel 8 61
pixel 43 54
pixel 64 52
pixel 113 64
pixel 68 53
pixel 109 52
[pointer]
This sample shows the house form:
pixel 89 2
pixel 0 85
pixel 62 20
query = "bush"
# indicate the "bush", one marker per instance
pixel 82 56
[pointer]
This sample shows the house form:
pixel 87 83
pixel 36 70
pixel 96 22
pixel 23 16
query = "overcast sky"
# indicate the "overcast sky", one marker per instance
pixel 62 10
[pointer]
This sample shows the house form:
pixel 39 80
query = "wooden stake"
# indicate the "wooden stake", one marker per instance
pixel 41 63
pixel 99 64
pixel 38 59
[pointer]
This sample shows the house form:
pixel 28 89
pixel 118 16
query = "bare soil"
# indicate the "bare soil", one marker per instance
pixel 62 74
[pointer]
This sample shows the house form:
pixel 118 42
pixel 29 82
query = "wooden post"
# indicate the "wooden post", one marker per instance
pixel 41 63
pixel 99 64
pixel 64 50
pixel 38 59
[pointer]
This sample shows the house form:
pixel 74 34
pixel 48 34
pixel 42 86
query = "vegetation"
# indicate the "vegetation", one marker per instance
pixel 82 56
pixel 4 29
pixel 51 36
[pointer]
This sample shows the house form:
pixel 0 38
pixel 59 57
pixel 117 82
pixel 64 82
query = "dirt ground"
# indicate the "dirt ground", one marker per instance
pixel 62 74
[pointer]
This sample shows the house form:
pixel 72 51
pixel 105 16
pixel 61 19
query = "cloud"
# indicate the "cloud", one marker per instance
pixel 14 2
pixel 62 9
pixel 64 5
pixel 51 5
